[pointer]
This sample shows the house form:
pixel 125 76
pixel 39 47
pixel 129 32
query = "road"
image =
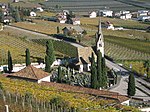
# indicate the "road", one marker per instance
pixel 122 86
pixel 40 34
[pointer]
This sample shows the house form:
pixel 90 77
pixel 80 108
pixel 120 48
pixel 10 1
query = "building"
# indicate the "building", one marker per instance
pixel 84 54
pixel 100 40
pixel 92 14
pixel 126 16
pixel 143 18
pixel 84 57
pixel 40 9
pixel 3 6
pixel 106 13
pixel 72 30
pixel 32 14
pixel 75 21
pixel 143 12
pixel 32 74
pixel 15 0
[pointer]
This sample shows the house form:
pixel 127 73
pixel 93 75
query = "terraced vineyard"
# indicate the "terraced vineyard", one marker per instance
pixel 43 98
pixel 89 5
pixel 17 48
pixel 117 52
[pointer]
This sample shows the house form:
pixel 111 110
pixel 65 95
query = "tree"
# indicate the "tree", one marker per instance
pixel 99 69
pixel 50 51
pixel 10 66
pixel 104 74
pixel 58 31
pixel 131 86
pixel 47 64
pixel 94 81
pixel 59 80
pixel 27 57
pixel 147 67
pixel 17 15
pixel 1 15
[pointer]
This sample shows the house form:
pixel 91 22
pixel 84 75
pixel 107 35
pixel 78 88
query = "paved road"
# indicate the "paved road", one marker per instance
pixel 122 86
pixel 49 37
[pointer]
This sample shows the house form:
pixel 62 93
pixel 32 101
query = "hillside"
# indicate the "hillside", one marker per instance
pixel 44 98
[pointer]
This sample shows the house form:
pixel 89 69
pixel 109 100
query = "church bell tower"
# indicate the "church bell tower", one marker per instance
pixel 100 39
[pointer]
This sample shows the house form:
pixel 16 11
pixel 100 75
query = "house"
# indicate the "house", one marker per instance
pixel 74 29
pixel 3 6
pixel 32 14
pixel 124 12
pixel 63 21
pixel 92 14
pixel 75 21
pixel 143 12
pixel 106 13
pixel 40 9
pixel 110 26
pixel 143 18
pixel 31 73
pixel 15 0
pixel 7 19
pixel 126 16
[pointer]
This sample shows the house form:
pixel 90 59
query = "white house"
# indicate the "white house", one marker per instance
pixel 92 14
pixel 62 21
pixel 3 6
pixel 40 9
pixel 76 21
pixel 143 12
pixel 32 14
pixel 124 12
pixel 143 18
pixel 126 16
pixel 106 13
pixel 15 0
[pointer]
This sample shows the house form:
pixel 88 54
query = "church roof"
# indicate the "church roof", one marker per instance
pixel 31 72
pixel 84 55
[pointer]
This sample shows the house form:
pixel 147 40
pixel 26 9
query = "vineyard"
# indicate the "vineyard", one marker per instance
pixel 117 52
pixel 38 98
pixel 88 5
pixel 17 48
pixel 60 46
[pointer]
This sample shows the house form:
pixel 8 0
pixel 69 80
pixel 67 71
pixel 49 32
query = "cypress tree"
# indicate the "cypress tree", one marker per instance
pixel 50 51
pixel 47 64
pixel 94 82
pixel 10 66
pixel 131 86
pixel 58 31
pixel 17 15
pixel 27 57
pixel 104 73
pixel 59 80
pixel 147 67
pixel 99 69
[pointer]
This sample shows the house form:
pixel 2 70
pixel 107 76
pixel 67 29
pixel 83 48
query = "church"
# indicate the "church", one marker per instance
pixel 84 53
